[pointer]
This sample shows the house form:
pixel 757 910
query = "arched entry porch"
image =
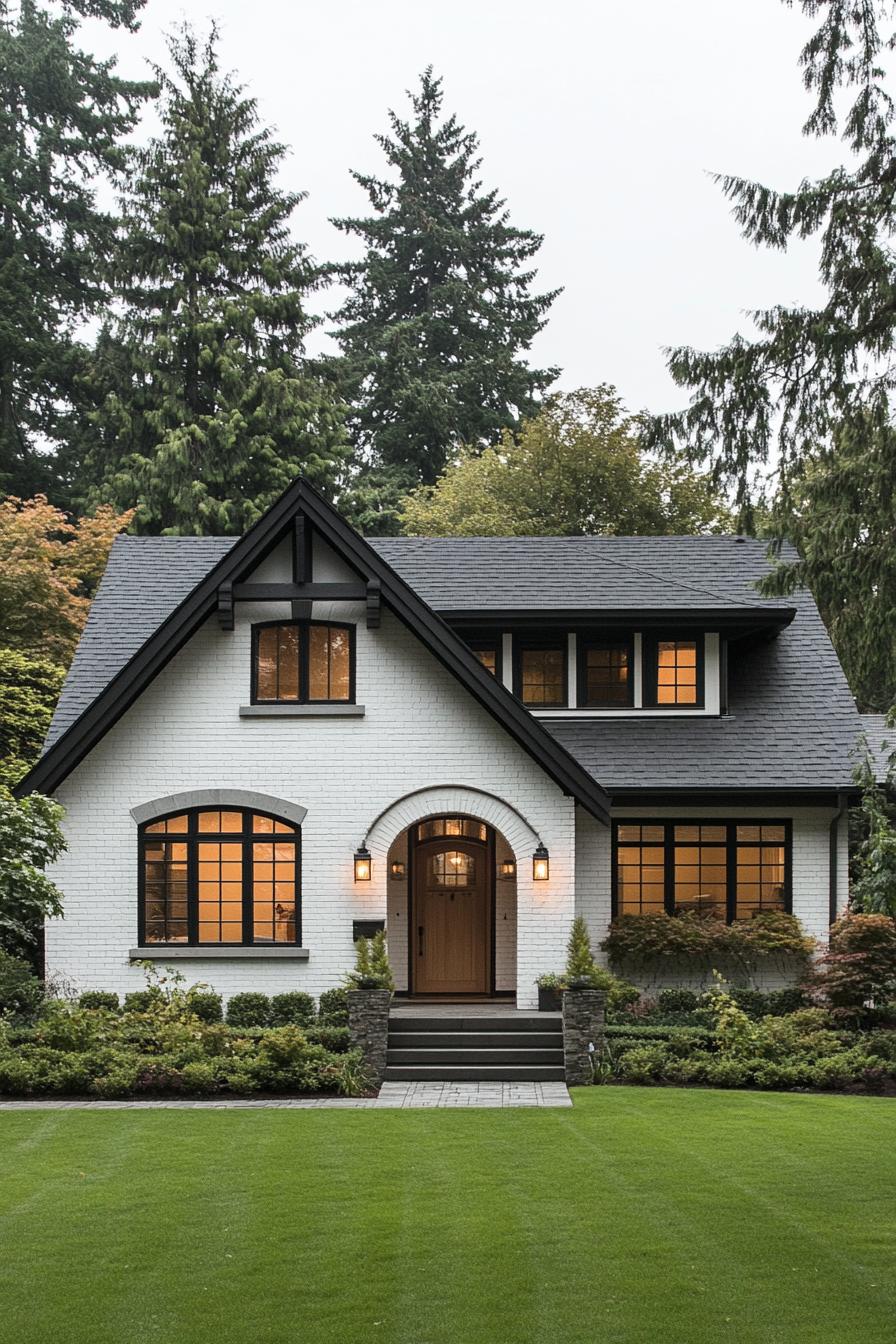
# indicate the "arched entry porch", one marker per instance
pixel 450 860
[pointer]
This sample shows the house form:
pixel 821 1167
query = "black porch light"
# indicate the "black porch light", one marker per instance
pixel 541 865
pixel 363 864
pixel 508 868
pixel 396 870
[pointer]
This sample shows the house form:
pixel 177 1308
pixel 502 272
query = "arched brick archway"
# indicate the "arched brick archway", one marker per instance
pixel 452 800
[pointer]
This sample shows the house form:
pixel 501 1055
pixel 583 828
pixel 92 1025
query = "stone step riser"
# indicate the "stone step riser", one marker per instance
pixel 406 1022
pixel 486 1040
pixel 485 1058
pixel 468 1073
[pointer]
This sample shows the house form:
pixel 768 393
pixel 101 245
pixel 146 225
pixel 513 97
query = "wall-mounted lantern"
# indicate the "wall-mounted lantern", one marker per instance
pixel 396 871
pixel 508 869
pixel 541 865
pixel 362 864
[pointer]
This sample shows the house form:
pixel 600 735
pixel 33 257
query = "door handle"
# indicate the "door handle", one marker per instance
pixel 420 940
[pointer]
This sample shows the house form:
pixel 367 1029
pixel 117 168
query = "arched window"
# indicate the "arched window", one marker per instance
pixel 212 876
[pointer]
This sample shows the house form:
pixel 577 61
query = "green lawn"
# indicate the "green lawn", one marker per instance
pixel 640 1215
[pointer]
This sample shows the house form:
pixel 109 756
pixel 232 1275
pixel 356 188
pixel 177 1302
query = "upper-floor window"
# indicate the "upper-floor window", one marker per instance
pixel 212 876
pixel 728 869
pixel 606 673
pixel 541 673
pixel 302 662
pixel 488 651
pixel 673 672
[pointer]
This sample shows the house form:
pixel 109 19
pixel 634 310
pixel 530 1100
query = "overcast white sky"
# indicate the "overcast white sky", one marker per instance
pixel 598 120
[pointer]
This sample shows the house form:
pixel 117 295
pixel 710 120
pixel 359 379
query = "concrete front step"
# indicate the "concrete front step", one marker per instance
pixel 475 1073
pixel 484 1040
pixel 432 1058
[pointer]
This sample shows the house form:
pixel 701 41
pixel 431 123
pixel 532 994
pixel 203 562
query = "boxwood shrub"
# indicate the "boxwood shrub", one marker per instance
pixel 333 1007
pixel 292 1009
pixel 250 1009
pixel 99 998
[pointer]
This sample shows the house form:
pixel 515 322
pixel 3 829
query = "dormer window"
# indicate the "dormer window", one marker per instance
pixel 302 662
pixel 541 674
pixel 673 672
pixel 606 674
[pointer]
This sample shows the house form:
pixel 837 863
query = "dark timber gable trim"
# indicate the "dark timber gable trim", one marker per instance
pixel 382 584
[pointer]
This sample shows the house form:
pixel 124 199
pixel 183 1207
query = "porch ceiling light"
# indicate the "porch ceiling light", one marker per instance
pixel 508 868
pixel 541 865
pixel 362 864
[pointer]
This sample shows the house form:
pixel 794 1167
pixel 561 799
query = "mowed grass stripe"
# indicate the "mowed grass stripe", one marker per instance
pixel 639 1215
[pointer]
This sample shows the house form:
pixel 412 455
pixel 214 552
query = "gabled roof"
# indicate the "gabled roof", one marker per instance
pixel 95 716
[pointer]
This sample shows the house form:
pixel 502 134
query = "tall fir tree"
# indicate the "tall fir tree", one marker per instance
pixel 207 406
pixel 811 390
pixel 439 315
pixel 63 116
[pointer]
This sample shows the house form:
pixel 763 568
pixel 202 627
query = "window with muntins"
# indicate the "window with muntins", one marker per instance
pixel 727 870
pixel 211 876
pixel 541 675
pixel 302 662
pixel 605 674
pixel 673 673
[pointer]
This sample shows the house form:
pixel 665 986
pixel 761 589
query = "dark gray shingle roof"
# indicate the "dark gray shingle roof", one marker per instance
pixel 145 579
pixel 792 723
pixel 587 573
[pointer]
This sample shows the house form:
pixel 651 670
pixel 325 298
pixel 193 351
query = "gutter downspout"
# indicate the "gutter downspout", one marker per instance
pixel 833 847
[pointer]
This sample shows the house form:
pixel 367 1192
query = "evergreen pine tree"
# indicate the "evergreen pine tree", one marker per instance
pixel 580 966
pixel 439 315
pixel 812 390
pixel 63 115
pixel 207 407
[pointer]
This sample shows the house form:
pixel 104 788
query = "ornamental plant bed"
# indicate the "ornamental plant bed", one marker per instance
pixel 662 944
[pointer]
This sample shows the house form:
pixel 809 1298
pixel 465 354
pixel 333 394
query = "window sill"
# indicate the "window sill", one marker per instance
pixel 301 711
pixel 183 952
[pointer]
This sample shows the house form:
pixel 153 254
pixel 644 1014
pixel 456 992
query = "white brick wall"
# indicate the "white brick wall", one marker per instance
pixel 421 731
pixel 810 859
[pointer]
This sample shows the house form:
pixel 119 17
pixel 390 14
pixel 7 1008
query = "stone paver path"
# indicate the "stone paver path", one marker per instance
pixel 406 1096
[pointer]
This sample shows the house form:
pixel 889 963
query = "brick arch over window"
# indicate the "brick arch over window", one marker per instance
pixel 212 798
pixel 451 800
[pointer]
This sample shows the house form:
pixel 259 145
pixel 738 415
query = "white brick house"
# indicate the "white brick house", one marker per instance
pixel 267 745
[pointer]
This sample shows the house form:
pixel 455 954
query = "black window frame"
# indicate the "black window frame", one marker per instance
pixel 731 846
pixel 192 838
pixel 304 654
pixel 650 642
pixel 480 642
pixel 585 642
pixel 525 645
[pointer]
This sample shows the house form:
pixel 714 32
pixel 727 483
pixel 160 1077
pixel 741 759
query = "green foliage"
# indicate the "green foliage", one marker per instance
pixel 292 1009
pixel 440 314
pixel 332 1008
pixel 580 966
pixel 168 1050
pixel 142 1000
pixel 205 1004
pixel 811 389
pixel 700 942
pixel 873 889
pixel 372 969
pixel 64 116
pixel 335 1039
pixel 30 838
pixel 29 689
pixel 207 407
pixel 101 999
pixel 859 967
pixel 249 1009
pixel 21 993
pixel 734 1031
pixel 574 469
pixel 677 1000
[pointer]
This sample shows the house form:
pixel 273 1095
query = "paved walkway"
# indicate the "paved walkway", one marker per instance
pixel 406 1096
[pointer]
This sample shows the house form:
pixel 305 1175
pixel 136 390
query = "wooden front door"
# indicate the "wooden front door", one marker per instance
pixel 451 917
